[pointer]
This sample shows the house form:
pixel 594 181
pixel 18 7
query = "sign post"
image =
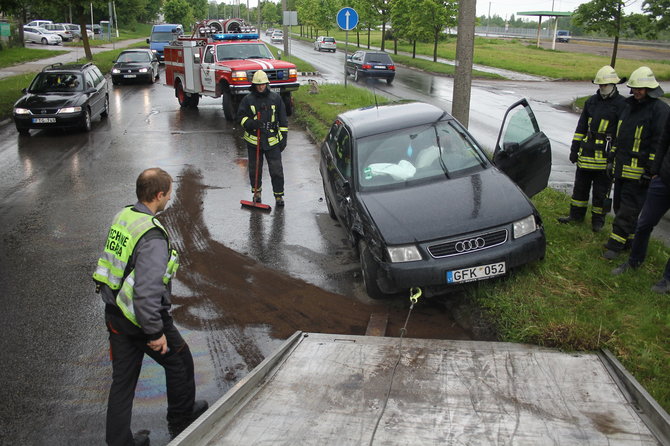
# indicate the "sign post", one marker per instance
pixel 347 19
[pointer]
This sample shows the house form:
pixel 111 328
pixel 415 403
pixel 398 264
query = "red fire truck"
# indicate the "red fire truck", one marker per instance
pixel 218 60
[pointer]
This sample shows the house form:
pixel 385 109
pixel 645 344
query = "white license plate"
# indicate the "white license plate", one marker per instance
pixel 476 273
pixel 43 120
pixel 129 76
pixel 379 67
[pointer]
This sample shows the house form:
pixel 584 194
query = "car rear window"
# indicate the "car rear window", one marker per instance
pixel 328 39
pixel 378 58
pixel 416 153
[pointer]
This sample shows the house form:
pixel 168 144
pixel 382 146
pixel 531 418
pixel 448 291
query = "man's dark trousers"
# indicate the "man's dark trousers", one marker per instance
pixel 655 207
pixel 128 345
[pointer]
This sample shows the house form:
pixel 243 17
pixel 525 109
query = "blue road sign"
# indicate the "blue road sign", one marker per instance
pixel 347 18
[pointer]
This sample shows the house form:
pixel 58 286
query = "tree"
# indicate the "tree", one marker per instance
pixel 178 11
pixel 603 16
pixel 659 13
pixel 383 8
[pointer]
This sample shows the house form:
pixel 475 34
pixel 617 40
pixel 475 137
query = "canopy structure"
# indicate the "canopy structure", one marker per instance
pixel 541 14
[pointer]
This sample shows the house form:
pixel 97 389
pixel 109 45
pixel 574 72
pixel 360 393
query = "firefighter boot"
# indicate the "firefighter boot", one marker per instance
pixel 597 222
pixel 279 200
pixel 574 216
pixel 141 438
pixel 257 197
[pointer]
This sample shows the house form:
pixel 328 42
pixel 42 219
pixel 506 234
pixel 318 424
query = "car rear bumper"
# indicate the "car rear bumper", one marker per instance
pixel 380 74
pixel 432 273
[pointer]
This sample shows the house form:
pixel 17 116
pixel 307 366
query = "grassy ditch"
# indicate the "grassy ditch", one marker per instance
pixel 515 55
pixel 569 300
pixel 17 55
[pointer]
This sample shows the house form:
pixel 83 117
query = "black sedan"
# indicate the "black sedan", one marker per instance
pixel 372 64
pixel 135 65
pixel 424 204
pixel 62 96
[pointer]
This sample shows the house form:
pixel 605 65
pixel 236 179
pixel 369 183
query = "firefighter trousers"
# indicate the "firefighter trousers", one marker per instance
pixel 128 345
pixel 598 183
pixel 655 206
pixel 627 201
pixel 275 167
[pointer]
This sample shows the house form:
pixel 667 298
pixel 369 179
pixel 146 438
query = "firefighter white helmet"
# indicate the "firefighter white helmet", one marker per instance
pixel 260 78
pixel 643 77
pixel 606 75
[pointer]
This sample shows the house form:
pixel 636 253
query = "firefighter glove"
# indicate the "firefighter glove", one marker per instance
pixel 573 156
pixel 251 125
pixel 282 143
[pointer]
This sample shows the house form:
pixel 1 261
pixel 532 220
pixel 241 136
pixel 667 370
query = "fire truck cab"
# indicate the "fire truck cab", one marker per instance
pixel 217 61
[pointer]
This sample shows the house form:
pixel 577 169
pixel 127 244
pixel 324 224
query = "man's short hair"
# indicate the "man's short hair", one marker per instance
pixel 150 182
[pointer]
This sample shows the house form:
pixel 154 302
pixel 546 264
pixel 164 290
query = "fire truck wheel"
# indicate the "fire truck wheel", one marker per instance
pixel 181 95
pixel 193 100
pixel 228 106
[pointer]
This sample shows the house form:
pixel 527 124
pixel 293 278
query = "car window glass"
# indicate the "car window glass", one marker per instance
pixel 134 56
pixel 56 82
pixel 329 39
pixel 90 82
pixel 417 153
pixel 343 153
pixel 519 126
pixel 209 55
pixel 99 74
pixel 379 58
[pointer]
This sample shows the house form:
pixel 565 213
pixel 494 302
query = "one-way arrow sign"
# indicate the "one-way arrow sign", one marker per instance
pixel 347 18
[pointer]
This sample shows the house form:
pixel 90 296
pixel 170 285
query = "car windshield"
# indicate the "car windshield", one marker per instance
pixel 417 153
pixel 134 56
pixel 379 58
pixel 235 51
pixel 163 36
pixel 56 82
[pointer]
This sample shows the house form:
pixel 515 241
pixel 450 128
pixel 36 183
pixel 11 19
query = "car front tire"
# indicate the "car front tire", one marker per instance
pixel 369 268
pixel 105 111
pixel 44 41
pixel 356 77
pixel 86 121
pixel 23 131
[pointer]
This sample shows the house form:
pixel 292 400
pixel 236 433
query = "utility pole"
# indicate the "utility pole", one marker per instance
pixel 285 27
pixel 465 47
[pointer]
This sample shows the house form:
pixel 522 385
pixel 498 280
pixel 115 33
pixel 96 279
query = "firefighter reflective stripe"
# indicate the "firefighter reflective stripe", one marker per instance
pixel 124 300
pixel 275 135
pixel 578 137
pixel 617 238
pixel 579 203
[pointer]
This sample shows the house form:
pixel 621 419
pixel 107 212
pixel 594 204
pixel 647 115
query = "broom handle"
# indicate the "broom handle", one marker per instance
pixel 258 151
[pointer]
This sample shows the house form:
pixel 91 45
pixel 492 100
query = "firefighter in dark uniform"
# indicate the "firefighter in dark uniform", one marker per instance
pixel 639 137
pixel 590 146
pixel 273 125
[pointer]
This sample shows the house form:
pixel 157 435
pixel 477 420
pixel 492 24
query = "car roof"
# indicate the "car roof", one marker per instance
pixel 67 67
pixel 379 119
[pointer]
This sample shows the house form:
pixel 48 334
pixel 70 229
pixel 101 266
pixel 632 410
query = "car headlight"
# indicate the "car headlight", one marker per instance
pixel 70 110
pixel 407 253
pixel 143 70
pixel 21 111
pixel 524 226
pixel 115 71
pixel 239 76
pixel 292 72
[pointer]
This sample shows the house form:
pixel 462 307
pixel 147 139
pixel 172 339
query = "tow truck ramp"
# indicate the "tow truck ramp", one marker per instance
pixel 325 389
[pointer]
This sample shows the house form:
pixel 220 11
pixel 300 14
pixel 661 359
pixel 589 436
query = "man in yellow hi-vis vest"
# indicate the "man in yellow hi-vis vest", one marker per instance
pixel 263 112
pixel 133 276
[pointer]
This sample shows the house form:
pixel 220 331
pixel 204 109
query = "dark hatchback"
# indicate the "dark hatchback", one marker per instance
pixel 423 203
pixel 62 96
pixel 135 65
pixel 371 64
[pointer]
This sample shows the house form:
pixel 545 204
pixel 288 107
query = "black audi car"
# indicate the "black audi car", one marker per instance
pixel 423 203
pixel 62 96
pixel 135 65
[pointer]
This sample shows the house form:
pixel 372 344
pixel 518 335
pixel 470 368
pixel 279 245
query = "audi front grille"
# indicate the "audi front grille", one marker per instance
pixel 468 244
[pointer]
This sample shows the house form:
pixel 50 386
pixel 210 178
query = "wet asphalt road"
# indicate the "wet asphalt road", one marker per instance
pixel 59 191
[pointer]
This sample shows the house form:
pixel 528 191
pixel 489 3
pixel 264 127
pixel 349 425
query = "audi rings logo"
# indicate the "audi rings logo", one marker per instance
pixel 470 245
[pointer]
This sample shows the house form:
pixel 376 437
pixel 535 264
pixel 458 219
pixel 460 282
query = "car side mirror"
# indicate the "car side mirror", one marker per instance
pixel 279 54
pixel 148 41
pixel 350 56
pixel 24 90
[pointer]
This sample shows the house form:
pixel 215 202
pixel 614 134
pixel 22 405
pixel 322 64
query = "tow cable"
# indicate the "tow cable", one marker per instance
pixel 414 294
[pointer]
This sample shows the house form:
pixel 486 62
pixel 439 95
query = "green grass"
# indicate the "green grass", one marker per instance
pixel 138 31
pixel 569 300
pixel 517 56
pixel 15 56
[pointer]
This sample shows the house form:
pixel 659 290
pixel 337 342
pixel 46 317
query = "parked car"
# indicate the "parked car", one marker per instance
pixel 563 36
pixel 38 23
pixel 277 36
pixel 60 29
pixel 97 29
pixel 41 35
pixel 423 203
pixel 371 64
pixel 76 30
pixel 269 31
pixel 135 64
pixel 325 43
pixel 62 96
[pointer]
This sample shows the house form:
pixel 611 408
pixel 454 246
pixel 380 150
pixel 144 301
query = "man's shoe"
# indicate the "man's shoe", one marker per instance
pixel 622 269
pixel 141 438
pixel 179 422
pixel 610 255
pixel 662 287
pixel 256 198
pixel 279 201
pixel 597 226
pixel 569 219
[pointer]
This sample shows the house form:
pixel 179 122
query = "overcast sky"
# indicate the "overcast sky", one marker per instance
pixel 505 8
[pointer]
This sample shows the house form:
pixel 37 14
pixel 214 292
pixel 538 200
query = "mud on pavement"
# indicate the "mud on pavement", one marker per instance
pixel 231 292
